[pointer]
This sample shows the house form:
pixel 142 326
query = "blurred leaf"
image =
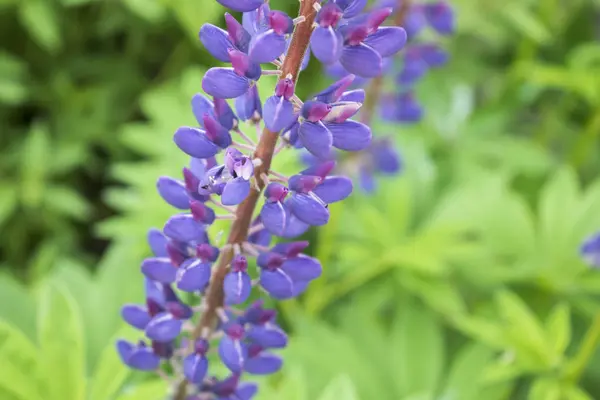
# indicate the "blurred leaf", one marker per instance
pixel 192 15
pixel 152 390
pixel 33 165
pixel 43 23
pixel 19 364
pixel 150 10
pixel 558 328
pixel 525 21
pixel 417 350
pixel 13 72
pixel 339 388
pixel 464 379
pixel 545 389
pixel 62 344
pixel 8 200
pixel 21 313
pixel 65 201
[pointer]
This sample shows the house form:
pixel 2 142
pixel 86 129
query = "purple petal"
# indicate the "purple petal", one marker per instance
pixel 159 269
pixel 225 114
pixel 362 60
pixel 241 5
pixel 350 135
pixel 158 242
pixel 233 353
pixel 141 358
pixel 279 285
pixel 387 41
pixel 173 192
pixel 441 17
pixel 268 336
pixel 125 349
pixel 246 391
pixel 279 113
pixel 163 328
pixel 216 41
pixel 194 142
pixel 224 83
pixel 195 367
pixel 333 92
pixel 237 287
pixel 351 7
pixel 357 96
pixel 316 138
pixel 202 213
pixel 334 188
pixel 367 181
pixel 184 228
pixel 248 106
pixel 326 44
pixel 308 209
pixel 263 364
pixel 235 191
pixel 193 275
pixel 135 315
pixel 273 217
pixel 201 106
pixel 294 227
pixel 385 157
pixel 266 47
pixel 302 268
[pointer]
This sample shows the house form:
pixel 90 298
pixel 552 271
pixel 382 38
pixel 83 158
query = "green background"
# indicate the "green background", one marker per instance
pixel 458 280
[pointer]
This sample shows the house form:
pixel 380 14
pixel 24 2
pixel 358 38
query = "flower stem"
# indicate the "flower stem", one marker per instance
pixel 264 151
pixel 586 350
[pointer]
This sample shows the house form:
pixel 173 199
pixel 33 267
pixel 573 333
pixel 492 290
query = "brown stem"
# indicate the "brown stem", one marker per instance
pixel 264 151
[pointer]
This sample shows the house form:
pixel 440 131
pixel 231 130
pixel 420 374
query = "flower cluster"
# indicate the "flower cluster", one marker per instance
pixel 405 68
pixel 225 177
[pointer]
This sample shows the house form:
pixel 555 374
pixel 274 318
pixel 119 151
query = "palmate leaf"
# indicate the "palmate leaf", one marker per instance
pixel 339 388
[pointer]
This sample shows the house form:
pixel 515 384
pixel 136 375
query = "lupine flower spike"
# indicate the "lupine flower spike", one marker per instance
pixel 229 174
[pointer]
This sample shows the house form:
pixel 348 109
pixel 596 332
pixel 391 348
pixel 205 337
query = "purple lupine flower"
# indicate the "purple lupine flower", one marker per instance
pixel 233 351
pixel 138 356
pixel 241 5
pixel 590 250
pixel 195 365
pixel 193 275
pixel 440 17
pixel 237 283
pixel 231 180
pixel 279 111
pixel 401 108
pixel 249 106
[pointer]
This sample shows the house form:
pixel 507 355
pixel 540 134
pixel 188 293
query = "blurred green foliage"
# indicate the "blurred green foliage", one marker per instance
pixel 458 280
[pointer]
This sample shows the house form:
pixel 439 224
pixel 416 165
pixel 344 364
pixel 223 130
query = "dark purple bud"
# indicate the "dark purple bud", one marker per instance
pixel 309 209
pixel 195 367
pixel 173 192
pixel 275 192
pixel 163 350
pixel 239 263
pixel 216 41
pixel 237 34
pixel 194 142
pixel 135 315
pixel 163 328
pixel 179 310
pixel 184 228
pixel 285 88
pixel 224 83
pixel 290 249
pixel 241 5
pixel 315 111
pixel 270 260
pixel 191 181
pixel 355 35
pixel 159 269
pixel 206 252
pixel 176 254
pixel 193 275
pixel 304 183
pixel 248 106
pixel 329 15
pixel 279 114
pixel 202 213
pixel 350 135
pixel 138 357
pixel 280 22
pixel 158 242
pixel 256 314
pixel 334 188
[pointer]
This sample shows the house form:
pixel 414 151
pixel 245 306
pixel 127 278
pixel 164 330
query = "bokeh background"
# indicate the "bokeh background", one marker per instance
pixel 459 279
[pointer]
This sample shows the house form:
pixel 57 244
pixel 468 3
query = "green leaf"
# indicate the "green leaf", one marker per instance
pixel 21 312
pixel 558 328
pixel 19 375
pixel 43 23
pixel 339 388
pixel 35 151
pixel 464 381
pixel 191 14
pixel 66 201
pixel 524 331
pixel 8 201
pixel 110 373
pixel 545 389
pixel 13 73
pixel 153 390
pixel 151 11
pixel 416 350
pixel 61 345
